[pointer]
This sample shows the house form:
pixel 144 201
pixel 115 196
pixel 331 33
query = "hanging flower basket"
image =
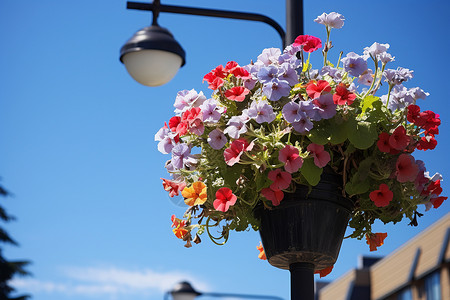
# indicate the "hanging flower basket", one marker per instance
pixel 262 140
pixel 307 226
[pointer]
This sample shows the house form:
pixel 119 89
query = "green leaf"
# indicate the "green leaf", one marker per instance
pixel 367 103
pixel 359 184
pixel 319 135
pixel 311 172
pixel 338 133
pixel 361 134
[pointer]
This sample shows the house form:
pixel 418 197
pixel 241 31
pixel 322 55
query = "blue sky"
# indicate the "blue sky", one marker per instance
pixel 77 145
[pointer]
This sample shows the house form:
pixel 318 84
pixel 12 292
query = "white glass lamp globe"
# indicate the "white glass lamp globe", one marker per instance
pixel 184 296
pixel 152 67
pixel 152 56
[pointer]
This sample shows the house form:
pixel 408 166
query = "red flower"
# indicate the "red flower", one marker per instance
pixel 281 180
pixel 375 240
pixel 321 157
pixel 399 140
pixel 407 168
pixel 413 113
pixel 224 199
pixel 343 96
pixel 173 187
pixel 314 90
pixel 177 222
pixel 427 143
pixel 193 120
pixel 237 93
pixel 173 123
pixel 233 154
pixel 231 65
pixel 383 142
pixel 310 43
pixel 240 73
pixel 275 196
pixel 217 72
pixel 216 83
pixel 434 187
pixel 382 196
pixel 438 201
pixel 324 272
pixel 290 155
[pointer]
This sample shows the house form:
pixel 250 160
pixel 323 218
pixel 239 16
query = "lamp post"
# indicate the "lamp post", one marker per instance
pixel 185 291
pixel 152 56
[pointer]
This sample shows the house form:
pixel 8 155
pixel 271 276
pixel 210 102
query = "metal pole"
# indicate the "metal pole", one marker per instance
pixel 302 281
pixel 294 20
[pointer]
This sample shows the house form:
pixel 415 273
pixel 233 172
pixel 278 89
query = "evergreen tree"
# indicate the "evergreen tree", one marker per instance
pixel 8 269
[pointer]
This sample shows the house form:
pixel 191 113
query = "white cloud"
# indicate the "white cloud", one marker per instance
pixel 108 281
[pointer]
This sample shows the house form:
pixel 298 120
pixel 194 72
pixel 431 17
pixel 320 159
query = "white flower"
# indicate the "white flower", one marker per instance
pixel 332 20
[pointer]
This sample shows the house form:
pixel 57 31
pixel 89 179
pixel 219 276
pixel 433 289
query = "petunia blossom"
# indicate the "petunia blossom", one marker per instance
pixel 324 272
pixel 261 111
pixel 276 89
pixel 331 20
pixel 321 157
pixel 383 142
pixel 181 156
pixel 406 168
pixel 275 196
pixel 399 140
pixel 233 154
pixel 315 89
pixel 173 187
pixel 343 96
pixel 235 127
pixel 237 93
pixel 187 99
pixel 262 254
pixel 224 199
pixel 382 196
pixel 354 64
pixel 216 139
pixel 310 43
pixel 290 156
pixel 375 240
pixel 195 194
pixel 281 180
pixel 326 108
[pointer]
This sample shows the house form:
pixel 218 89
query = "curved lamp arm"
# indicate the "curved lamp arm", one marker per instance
pixel 157 7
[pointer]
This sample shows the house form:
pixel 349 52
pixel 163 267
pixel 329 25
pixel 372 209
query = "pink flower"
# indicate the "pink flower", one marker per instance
pixel 310 43
pixel 407 169
pixel 237 93
pixel 224 199
pixel 193 120
pixel 173 187
pixel 382 196
pixel 399 140
pixel 291 157
pixel 281 180
pixel 233 154
pixel 273 195
pixel 321 157
pixel 315 89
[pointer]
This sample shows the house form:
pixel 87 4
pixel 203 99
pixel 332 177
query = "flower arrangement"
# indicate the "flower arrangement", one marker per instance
pixel 278 122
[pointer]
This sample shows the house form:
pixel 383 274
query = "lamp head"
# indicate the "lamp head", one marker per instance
pixel 184 291
pixel 152 56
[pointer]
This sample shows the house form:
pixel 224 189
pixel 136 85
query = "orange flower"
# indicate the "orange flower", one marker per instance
pixel 375 240
pixel 195 194
pixel 262 254
pixel 180 231
pixel 324 272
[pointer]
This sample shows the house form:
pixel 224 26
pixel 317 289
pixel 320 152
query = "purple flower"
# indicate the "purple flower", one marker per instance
pixel 418 93
pixel 269 56
pixel 303 125
pixel 331 20
pixel 236 127
pixel 334 73
pixel 291 112
pixel 187 99
pixel 385 57
pixel 166 142
pixel 181 156
pixel 398 76
pixel 267 74
pixel 366 78
pixel 354 64
pixel 325 106
pixel 288 74
pixel 210 111
pixel 216 139
pixel 261 111
pixel 276 89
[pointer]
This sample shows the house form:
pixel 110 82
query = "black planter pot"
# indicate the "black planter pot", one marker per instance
pixel 307 228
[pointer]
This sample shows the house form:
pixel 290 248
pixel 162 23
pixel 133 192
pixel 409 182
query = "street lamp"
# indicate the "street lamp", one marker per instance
pixel 185 291
pixel 152 56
